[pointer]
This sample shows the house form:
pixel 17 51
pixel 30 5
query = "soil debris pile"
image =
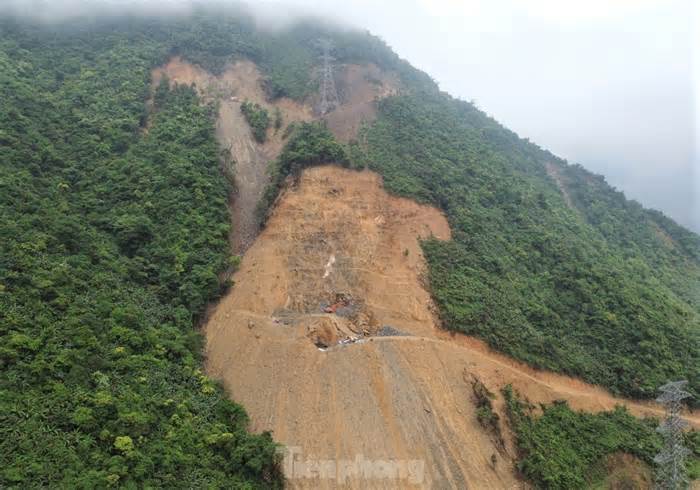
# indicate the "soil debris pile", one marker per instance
pixel 325 369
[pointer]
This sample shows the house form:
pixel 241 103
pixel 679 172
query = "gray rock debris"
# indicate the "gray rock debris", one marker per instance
pixel 389 331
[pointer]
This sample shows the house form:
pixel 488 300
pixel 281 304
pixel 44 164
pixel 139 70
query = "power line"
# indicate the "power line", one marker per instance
pixel 329 95
pixel 671 459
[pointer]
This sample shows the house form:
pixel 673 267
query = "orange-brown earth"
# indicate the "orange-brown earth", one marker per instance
pixel 359 86
pixel 407 398
pixel 300 339
pixel 625 472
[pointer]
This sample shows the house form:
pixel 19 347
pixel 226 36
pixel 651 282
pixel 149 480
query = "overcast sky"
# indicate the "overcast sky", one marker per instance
pixel 605 83
pixel 610 84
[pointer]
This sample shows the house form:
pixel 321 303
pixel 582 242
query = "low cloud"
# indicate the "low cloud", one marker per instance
pixel 62 10
pixel 610 85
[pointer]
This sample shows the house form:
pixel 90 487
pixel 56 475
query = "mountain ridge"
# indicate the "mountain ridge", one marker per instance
pixel 115 236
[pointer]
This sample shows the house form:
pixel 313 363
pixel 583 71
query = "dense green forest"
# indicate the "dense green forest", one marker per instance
pixel 563 449
pixel 113 238
pixel 258 119
pixel 113 235
pixel 607 290
pixel 111 241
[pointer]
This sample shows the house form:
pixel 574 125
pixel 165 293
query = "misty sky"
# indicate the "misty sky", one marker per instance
pixel 605 83
pixel 610 84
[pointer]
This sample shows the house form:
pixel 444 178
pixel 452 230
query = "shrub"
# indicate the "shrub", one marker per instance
pixel 258 119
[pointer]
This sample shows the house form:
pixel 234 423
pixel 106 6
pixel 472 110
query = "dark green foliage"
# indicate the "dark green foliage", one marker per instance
pixel 487 417
pixel 289 58
pixel 310 144
pixel 593 292
pixel 111 242
pixel 288 66
pixel 289 130
pixel 638 232
pixel 354 46
pixel 561 448
pixel 278 119
pixel 484 407
pixel 112 239
pixel 258 119
pixel 485 414
pixel 211 37
pixel 692 442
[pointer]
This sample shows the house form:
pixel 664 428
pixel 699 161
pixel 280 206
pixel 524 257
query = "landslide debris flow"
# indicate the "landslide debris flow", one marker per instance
pixel 359 85
pixel 329 337
pixel 239 83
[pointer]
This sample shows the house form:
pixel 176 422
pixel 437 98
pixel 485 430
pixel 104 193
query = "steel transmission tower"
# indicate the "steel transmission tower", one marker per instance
pixel 671 459
pixel 329 95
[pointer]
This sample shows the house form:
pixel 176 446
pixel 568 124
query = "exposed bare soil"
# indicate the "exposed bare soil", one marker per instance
pixel 329 337
pixel 553 172
pixel 359 87
pixel 338 234
pixel 238 83
pixel 626 472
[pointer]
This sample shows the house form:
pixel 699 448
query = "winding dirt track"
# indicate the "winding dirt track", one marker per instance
pixel 574 392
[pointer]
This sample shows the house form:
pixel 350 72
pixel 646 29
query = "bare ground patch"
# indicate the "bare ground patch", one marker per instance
pixel 336 240
pixel 359 87
pixel 554 172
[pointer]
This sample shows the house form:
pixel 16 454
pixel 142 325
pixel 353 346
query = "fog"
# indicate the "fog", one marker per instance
pixel 608 84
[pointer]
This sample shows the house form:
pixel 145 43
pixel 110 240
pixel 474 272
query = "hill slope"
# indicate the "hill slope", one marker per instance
pixel 402 393
pixel 601 289
pixel 114 224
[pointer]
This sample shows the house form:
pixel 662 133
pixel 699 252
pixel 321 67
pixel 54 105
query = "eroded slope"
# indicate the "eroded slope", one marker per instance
pixel 339 233
pixel 328 336
pixel 241 81
pixel 337 262
pixel 359 87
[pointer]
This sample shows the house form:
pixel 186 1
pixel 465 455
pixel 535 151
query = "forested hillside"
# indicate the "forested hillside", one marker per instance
pixel 604 289
pixel 111 241
pixel 114 227
pixel 113 233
